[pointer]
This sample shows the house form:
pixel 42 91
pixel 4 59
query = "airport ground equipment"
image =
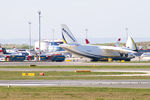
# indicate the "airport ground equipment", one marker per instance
pixel 29 57
pixel 115 59
pixel 48 58
pixel 57 58
pixel 32 65
pixel 82 71
pixel 28 74
pixel 43 58
pixel 41 74
pixel 2 58
pixel 16 58
pixel 54 57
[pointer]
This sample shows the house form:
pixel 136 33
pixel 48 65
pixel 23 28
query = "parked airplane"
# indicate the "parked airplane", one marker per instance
pixel 92 51
pixel 116 44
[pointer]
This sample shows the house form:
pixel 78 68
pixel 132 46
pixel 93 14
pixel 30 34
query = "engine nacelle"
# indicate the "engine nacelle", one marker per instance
pixel 131 55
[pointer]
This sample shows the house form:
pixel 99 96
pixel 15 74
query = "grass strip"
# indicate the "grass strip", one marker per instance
pixel 17 75
pixel 73 93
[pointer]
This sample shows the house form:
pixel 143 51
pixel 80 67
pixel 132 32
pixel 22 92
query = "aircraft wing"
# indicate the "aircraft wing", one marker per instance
pixel 118 49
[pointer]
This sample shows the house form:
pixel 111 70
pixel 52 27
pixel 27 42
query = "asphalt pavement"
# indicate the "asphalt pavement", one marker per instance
pixel 79 83
pixel 68 63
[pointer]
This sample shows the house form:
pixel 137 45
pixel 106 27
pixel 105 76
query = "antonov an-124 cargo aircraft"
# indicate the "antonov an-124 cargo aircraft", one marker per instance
pixel 96 52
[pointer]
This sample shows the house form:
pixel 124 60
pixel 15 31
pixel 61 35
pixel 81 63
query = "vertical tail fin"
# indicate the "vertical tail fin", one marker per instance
pixel 118 42
pixel 87 41
pixel 131 44
pixel 67 36
pixel 1 50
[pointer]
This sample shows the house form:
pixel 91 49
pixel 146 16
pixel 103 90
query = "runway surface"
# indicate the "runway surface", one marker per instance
pixel 66 63
pixel 79 83
pixel 73 69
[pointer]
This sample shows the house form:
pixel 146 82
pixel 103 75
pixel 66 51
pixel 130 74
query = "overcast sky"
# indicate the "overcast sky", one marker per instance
pixel 102 18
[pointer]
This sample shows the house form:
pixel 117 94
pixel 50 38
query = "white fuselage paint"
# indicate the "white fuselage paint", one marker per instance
pixel 91 51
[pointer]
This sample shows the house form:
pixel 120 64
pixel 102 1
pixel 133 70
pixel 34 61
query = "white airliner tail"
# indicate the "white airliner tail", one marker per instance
pixel 118 42
pixel 131 44
pixel 1 50
pixel 67 36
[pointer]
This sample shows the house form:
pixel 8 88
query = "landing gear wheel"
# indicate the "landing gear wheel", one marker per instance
pixel 126 55
pixel 121 54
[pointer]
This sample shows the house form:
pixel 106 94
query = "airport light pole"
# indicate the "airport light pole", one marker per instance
pixel 126 29
pixel 29 36
pixel 39 12
pixel 86 31
pixel 53 31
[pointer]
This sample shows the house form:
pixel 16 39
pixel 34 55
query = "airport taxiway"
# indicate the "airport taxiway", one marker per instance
pixel 73 69
pixel 69 64
pixel 79 83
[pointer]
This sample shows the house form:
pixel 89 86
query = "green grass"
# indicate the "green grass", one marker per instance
pixel 92 66
pixel 72 93
pixel 17 75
